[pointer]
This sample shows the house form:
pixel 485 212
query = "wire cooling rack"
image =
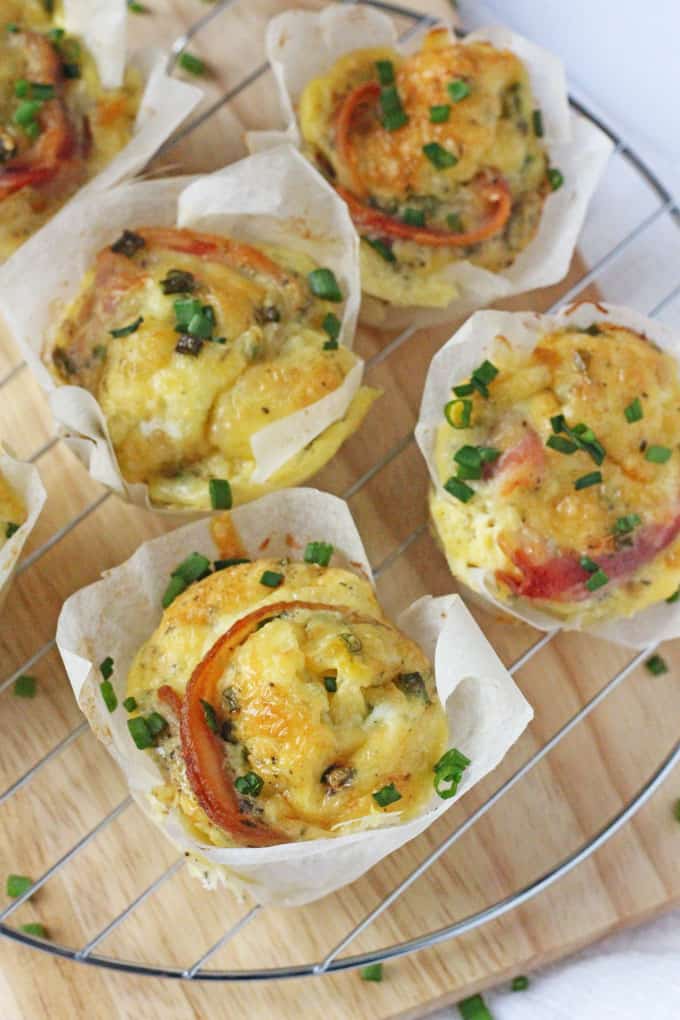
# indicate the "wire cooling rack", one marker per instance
pixel 664 207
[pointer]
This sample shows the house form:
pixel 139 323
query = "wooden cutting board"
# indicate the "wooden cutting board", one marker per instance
pixel 557 807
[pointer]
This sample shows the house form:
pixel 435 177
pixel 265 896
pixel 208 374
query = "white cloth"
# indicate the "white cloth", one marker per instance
pixel 623 57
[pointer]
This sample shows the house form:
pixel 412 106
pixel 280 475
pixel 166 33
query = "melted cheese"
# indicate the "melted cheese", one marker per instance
pixel 178 420
pixel 12 510
pixel 288 728
pixel 105 118
pixel 490 130
pixel 531 504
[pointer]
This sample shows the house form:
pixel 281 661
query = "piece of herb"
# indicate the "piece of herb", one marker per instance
pixel 537 123
pixel 220 494
pixel 440 114
pixel 624 525
pixel 17 885
pixel 372 972
pixel 413 686
pixel 318 552
pixel 210 716
pixel 271 579
pixel 585 481
pixel 11 529
pixel 458 89
pixel 323 284
pixel 582 435
pixel 385 69
pixel 108 695
pixel 561 445
pixel 194 568
pixel 34 928
pixel 331 325
pixel 127 330
pixel 234 561
pixel 457 488
pixel 656 665
pixel 414 217
pixel 191 63
pixel 675 597
pixel 520 983
pixel 658 454
pixel 383 248
pixel 458 412
pixel 454 223
pixel 555 178
pixel 448 772
pixel 387 795
pixel 175 587
pixel 106 668
pixel 439 157
pixel 352 642
pixel 156 723
pixel 331 684
pixel 474 1008
pixel 137 8
pixel 592 330
pixel 178 281
pixel 25 686
pixel 634 411
pixel 128 244
pixel 250 785
pixel 140 732
pixel 597 580
pixel 393 114
pixel 130 704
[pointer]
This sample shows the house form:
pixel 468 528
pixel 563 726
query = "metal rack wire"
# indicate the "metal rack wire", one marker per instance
pixel 333 961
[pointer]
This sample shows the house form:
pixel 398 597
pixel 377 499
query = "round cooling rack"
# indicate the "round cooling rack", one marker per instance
pixel 661 211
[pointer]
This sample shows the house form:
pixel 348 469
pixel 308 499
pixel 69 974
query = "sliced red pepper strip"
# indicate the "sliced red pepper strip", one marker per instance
pixel 367 93
pixel 203 751
pixel 213 249
pixel 56 141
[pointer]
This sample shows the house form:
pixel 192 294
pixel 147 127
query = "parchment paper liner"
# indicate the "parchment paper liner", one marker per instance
pixel 166 102
pixel 115 616
pixel 25 480
pixel 301 45
pixel 275 197
pixel 466 349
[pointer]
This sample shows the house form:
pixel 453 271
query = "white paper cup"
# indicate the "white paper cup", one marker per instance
pixel 24 479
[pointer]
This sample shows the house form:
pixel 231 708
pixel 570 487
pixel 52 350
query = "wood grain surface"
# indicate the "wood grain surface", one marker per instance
pixel 557 807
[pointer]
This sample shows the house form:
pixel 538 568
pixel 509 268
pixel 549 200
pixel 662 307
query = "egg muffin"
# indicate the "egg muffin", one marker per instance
pixel 280 705
pixel 560 474
pixel 439 156
pixel 58 126
pixel 12 511
pixel 192 344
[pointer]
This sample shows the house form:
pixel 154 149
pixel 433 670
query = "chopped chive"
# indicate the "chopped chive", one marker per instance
pixel 56 34
pixel 674 597
pixel 372 972
pixel 676 810
pixel 457 488
pixel 656 665
pixel 597 580
pixel 137 8
pixel 331 684
pixel 634 411
pixel 210 716
pixel 413 686
pixel 458 89
pixel 393 113
pixel 439 157
pixel 156 723
pixel 271 579
pixel 25 686
pixel 127 330
pixel 233 562
pixel 474 1008
pixel 352 642
pixel 382 247
pixel 26 112
pixel 32 130
pixel 440 114
pixel 624 525
pixel 12 27
pixel 561 445
pixel 585 481
pixel 191 63
pixel 11 529
pixel 414 217
pixel 482 376
pixel 17 885
pixel 106 668
pixel 250 784
pixel 555 178
pixel 130 704
pixel 582 436
pixel 185 310
pixel 476 456
pixel 34 89
pixel 520 983
pixel 394 120
pixel 108 695
pixel 332 326
pixel 385 69
pixel 175 587
pixel 387 795
pixel 128 244
pixel 449 770
pixel 537 122
pixel 220 494
pixel 458 419
pixel 140 732
pixel 588 564
pixel 35 928
pixel 194 568
pixel 323 284
pixel 464 390
pixel 319 552
pixel 454 223
pixel 21 87
pixel 658 454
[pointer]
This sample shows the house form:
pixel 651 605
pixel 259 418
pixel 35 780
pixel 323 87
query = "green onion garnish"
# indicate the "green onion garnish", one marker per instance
pixel 387 795
pixel 127 330
pixel 250 785
pixel 323 284
pixel 439 157
pixel 482 376
pixel 473 458
pixel 194 568
pixel 414 217
pixel 372 972
pixel 352 642
pixel 130 704
pixel 140 732
pixel 440 114
pixel 458 89
pixel 191 63
pixel 520 983
pixel 175 587
pixel 156 723
pixel 537 122
pixel 464 390
pixel 35 928
pixel 331 325
pixel 25 686
pixel 454 223
pixel 17 885
pixel 582 435
pixel 474 1008
pixel 658 454
pixel 233 562
pixel 106 668
pixel 271 579
pixel 588 564
pixel 136 7
pixel 449 769
pixel 676 810
pixel 27 112
pixel 382 248
pixel 393 114
pixel 210 716
pixel 385 69
pixel 585 481
pixel 561 445
pixel 108 695
pixel 413 686
pixel 656 665
pixel 674 597
pixel 634 411
pixel 597 580
pixel 331 684
pixel 220 494
pixel 555 178
pixel 458 413
pixel 319 552
pixel 11 529
pixel 457 488
pixel 624 525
